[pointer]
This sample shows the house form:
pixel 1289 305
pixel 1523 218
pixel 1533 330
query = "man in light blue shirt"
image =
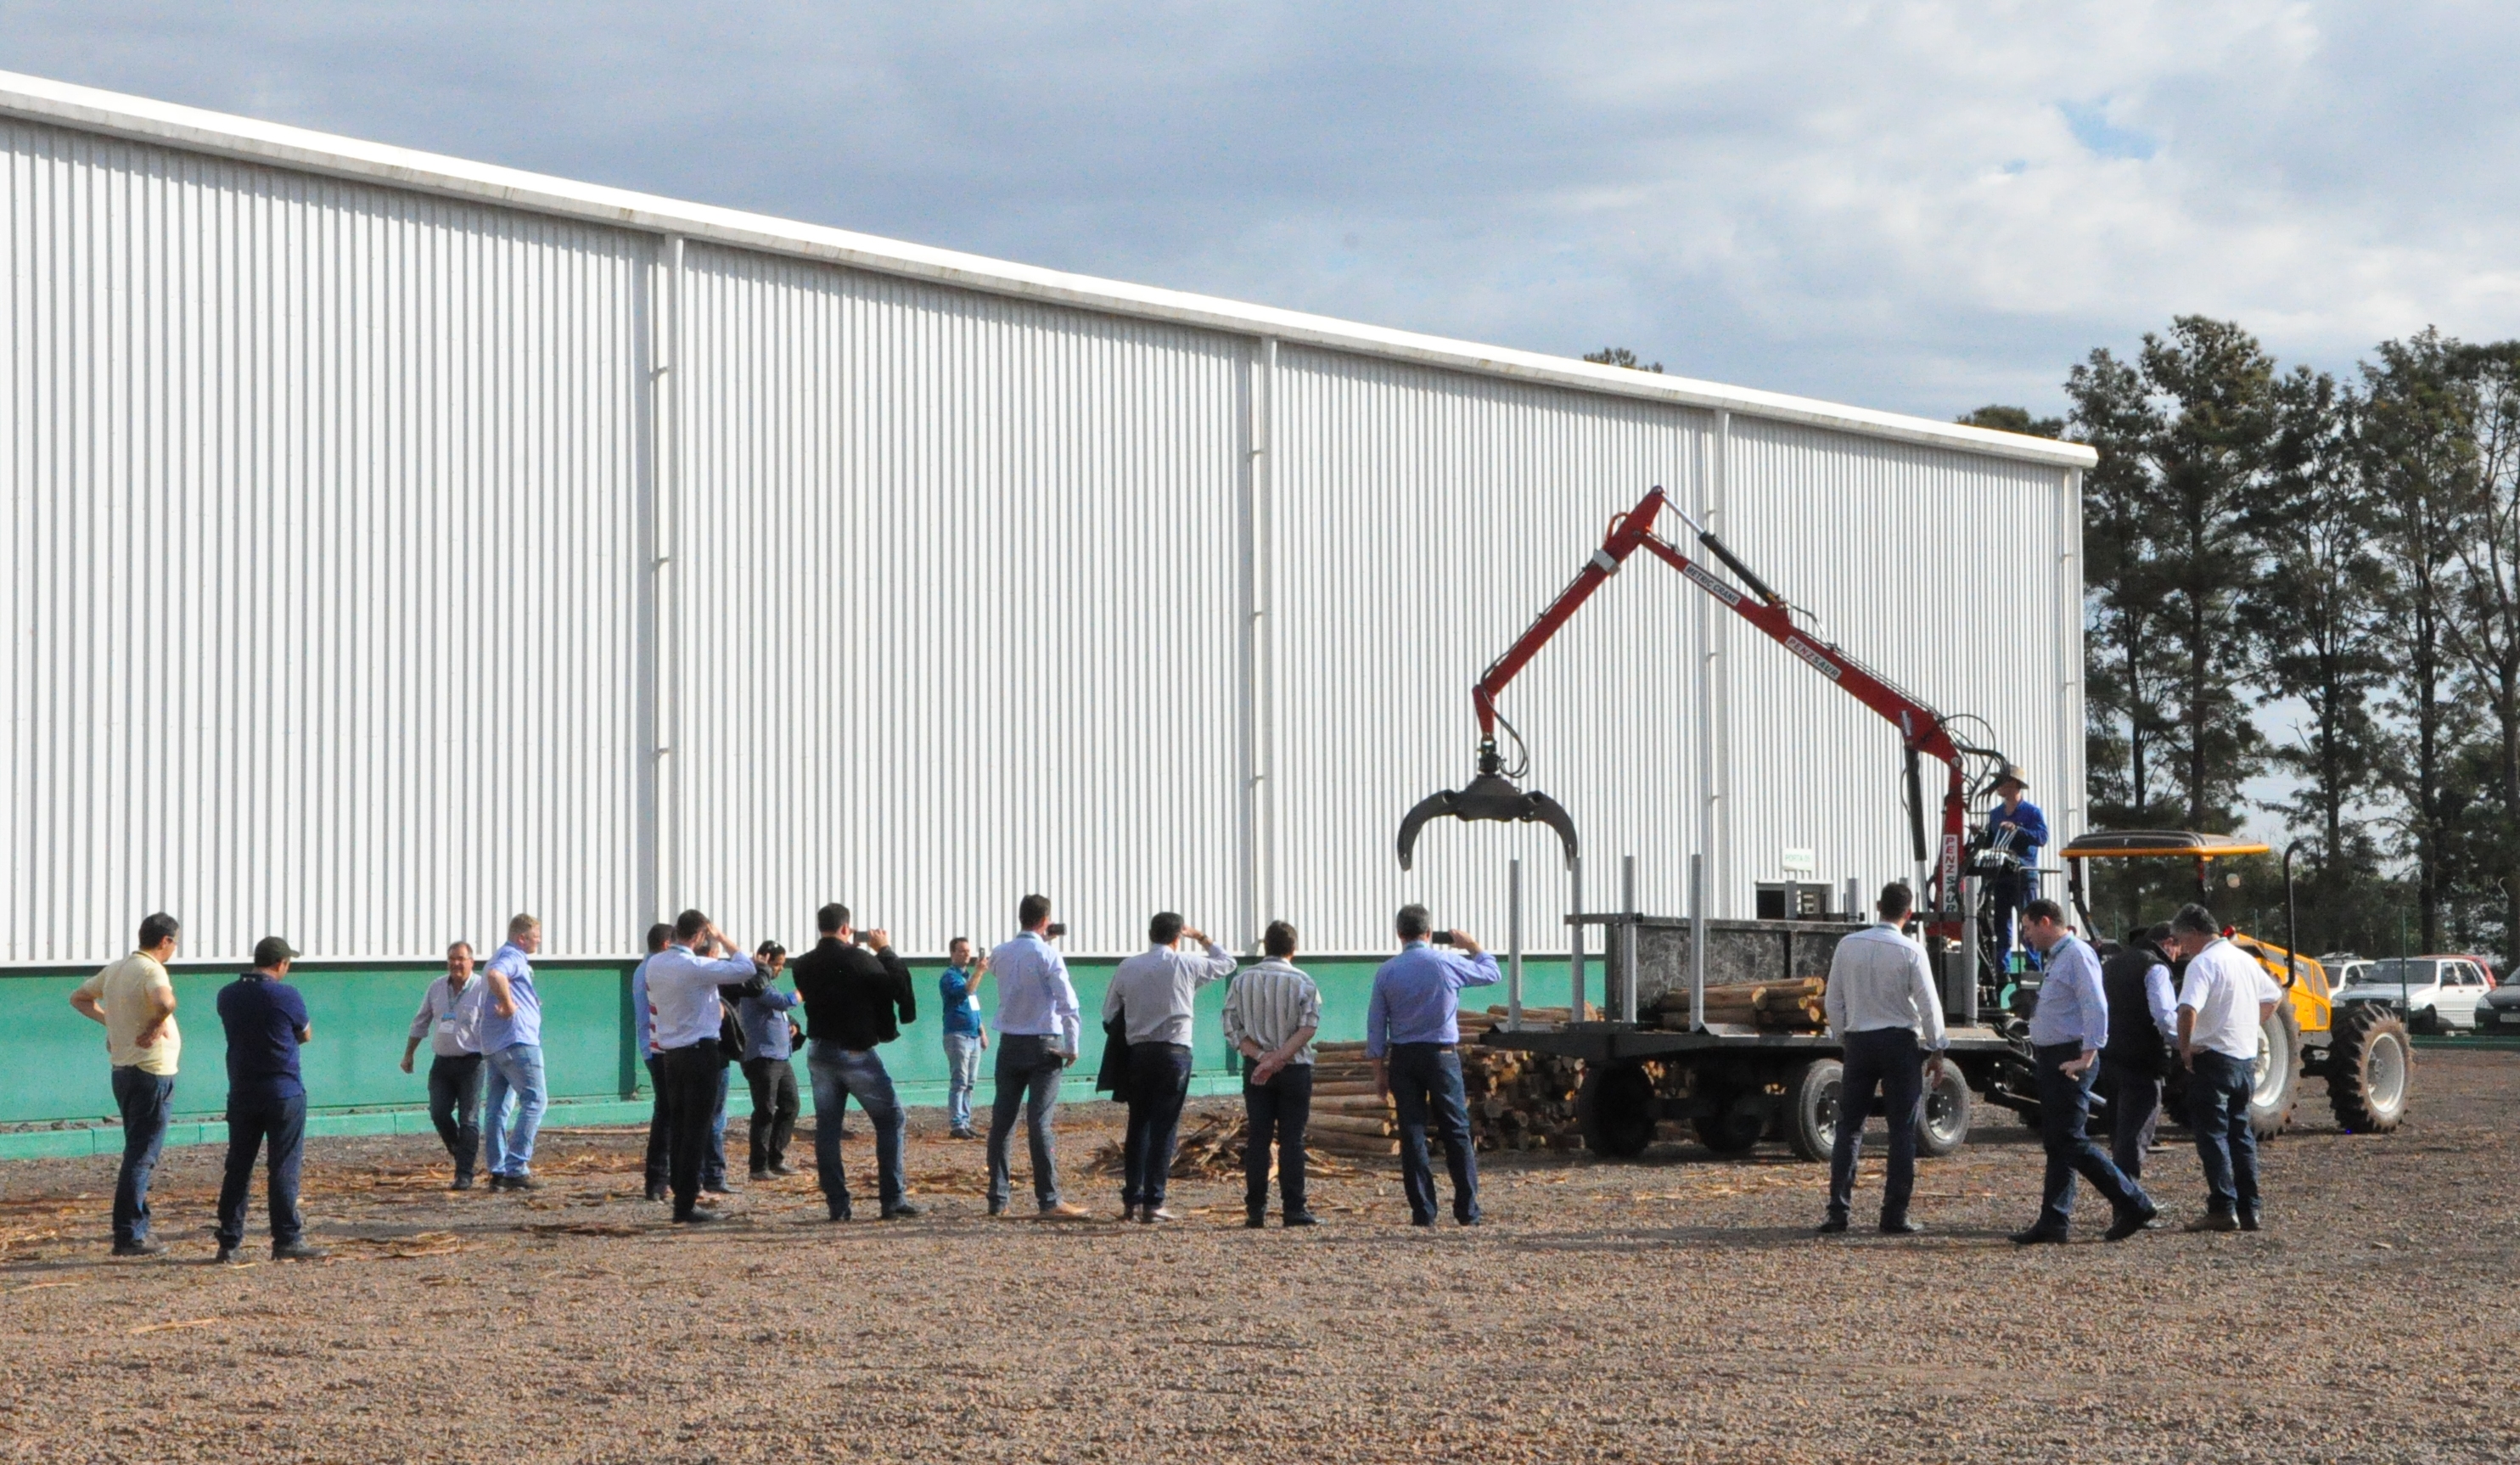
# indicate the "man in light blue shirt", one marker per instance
pixel 512 1048
pixel 1412 1036
pixel 685 983
pixel 643 1025
pixel 1039 1023
pixel 769 1069
pixel 2067 1031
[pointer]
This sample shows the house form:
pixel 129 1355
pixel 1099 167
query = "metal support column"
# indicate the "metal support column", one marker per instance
pixel 1513 948
pixel 1627 939
pixel 1575 930
pixel 1964 1010
pixel 1698 943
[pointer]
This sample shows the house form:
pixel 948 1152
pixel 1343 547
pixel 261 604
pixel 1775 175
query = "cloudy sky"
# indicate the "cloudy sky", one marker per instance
pixel 1916 207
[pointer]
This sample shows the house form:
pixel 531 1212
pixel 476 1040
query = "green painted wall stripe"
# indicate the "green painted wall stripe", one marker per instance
pixel 55 1072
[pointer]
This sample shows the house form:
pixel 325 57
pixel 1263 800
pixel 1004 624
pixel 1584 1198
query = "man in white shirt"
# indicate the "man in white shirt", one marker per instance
pixel 450 1018
pixel 135 1000
pixel 1884 1010
pixel 1039 1023
pixel 2224 1003
pixel 683 982
pixel 1151 994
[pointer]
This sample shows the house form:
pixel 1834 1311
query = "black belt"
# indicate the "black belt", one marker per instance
pixel 1441 1047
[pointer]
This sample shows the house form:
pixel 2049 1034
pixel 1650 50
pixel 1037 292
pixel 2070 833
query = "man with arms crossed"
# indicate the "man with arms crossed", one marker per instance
pixel 1038 1025
pixel 965 1042
pixel 683 986
pixel 1413 1035
pixel 450 1017
pixel 1271 1013
pixel 265 1020
pixel 1882 1006
pixel 1153 993
pixel 512 1048
pixel 135 1000
pixel 2223 1007
pixel 2067 1032
pixel 855 1000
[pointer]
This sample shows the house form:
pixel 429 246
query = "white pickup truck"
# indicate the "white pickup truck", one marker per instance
pixel 2434 993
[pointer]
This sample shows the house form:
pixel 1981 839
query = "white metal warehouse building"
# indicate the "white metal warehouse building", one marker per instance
pixel 395 542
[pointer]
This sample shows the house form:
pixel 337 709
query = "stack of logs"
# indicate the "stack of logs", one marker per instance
pixel 1516 1100
pixel 1779 1006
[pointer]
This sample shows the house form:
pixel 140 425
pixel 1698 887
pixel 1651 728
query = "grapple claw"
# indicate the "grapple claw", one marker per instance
pixel 1489 797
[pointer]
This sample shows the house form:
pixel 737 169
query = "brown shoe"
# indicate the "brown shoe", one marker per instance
pixel 1063 1211
pixel 2212 1220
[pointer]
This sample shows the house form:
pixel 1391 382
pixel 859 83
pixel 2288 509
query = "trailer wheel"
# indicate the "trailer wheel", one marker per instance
pixel 2369 1068
pixel 2276 1079
pixel 1615 1107
pixel 1942 1120
pixel 1734 1128
pixel 1811 1108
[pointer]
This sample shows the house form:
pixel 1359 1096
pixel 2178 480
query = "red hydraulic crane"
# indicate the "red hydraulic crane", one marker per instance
pixel 1923 731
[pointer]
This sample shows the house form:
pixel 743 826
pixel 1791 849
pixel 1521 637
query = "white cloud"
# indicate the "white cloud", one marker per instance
pixel 1911 205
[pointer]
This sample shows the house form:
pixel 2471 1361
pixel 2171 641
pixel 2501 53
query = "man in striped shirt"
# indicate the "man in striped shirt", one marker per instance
pixel 1271 1013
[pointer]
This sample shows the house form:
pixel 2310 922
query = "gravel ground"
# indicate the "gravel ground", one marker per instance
pixel 1676 1308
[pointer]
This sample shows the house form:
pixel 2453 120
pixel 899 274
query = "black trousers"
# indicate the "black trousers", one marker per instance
pixel 660 1125
pixel 774 1109
pixel 1278 1109
pixel 2135 1110
pixel 689 1094
pixel 1887 1060
pixel 1426 1090
pixel 1158 1084
pixel 455 1107
pixel 2064 1108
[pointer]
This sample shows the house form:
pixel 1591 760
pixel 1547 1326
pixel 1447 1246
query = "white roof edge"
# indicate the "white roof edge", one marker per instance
pixel 194 129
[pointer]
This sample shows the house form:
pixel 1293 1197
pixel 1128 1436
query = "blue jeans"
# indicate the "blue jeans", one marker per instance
pixel 515 1069
pixel 251 1121
pixel 1158 1083
pixel 144 1100
pixel 2064 1109
pixel 839 1075
pixel 1426 1087
pixel 961 1075
pixel 713 1164
pixel 2218 1107
pixel 1886 1060
pixel 1029 1071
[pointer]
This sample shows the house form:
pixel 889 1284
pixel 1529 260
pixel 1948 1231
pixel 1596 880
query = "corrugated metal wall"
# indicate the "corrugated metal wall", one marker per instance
pixel 318 569
pixel 1423 519
pixel 381 564
pixel 960 621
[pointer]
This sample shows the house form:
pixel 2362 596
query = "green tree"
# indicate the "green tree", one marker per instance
pixel 1621 356
pixel 1998 418
pixel 2317 622
pixel 2484 629
pixel 2417 458
pixel 2121 703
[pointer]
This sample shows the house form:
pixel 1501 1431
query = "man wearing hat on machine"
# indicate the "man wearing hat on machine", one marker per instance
pixel 2028 827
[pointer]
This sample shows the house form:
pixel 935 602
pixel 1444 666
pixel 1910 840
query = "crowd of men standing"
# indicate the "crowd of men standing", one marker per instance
pixel 701 1006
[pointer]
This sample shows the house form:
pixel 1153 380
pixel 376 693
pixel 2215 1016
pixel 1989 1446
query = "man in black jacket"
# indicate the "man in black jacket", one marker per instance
pixel 2143 1022
pixel 853 996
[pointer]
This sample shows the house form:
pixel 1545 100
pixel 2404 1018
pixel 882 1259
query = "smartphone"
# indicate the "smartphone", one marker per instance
pixel 1440 938
pixel 1055 930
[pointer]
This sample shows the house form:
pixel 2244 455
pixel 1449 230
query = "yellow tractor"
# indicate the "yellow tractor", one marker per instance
pixel 2360 1049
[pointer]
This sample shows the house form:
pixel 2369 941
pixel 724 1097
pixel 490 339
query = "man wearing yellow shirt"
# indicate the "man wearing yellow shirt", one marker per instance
pixel 135 1000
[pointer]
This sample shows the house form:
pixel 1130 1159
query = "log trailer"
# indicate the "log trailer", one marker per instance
pixel 1733 1081
pixel 1672 1054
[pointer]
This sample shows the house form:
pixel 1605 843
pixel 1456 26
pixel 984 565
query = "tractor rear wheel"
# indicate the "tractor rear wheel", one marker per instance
pixel 2276 1079
pixel 1811 1108
pixel 2370 1066
pixel 1942 1120
pixel 1615 1107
